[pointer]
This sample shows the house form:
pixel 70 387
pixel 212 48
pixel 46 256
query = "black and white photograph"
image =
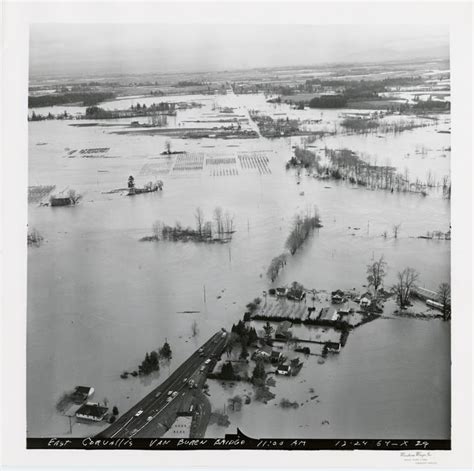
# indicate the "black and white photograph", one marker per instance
pixel 239 236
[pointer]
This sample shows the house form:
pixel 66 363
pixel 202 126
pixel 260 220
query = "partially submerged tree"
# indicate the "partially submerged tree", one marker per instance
pixel 406 280
pixel 302 227
pixel 34 237
pixel 396 230
pixel 276 265
pixel 131 182
pixel 228 223
pixel 444 297
pixel 73 196
pixel 376 273
pixel 199 216
pixel 219 220
pixel 165 351
pixel 194 329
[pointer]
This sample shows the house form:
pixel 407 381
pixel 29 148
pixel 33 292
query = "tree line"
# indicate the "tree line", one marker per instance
pixel 86 98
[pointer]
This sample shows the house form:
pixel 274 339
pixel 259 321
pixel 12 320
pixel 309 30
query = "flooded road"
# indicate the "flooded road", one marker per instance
pixel 98 299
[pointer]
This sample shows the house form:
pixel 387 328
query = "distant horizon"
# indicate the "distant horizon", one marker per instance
pixel 125 50
pixel 329 65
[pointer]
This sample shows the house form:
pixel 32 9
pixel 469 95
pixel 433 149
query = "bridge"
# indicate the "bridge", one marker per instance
pixel 155 413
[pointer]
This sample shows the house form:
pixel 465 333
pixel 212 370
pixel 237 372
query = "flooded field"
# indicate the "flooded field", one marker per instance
pixel 96 292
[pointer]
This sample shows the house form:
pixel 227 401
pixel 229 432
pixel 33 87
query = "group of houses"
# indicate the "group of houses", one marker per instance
pixel 294 293
pixel 275 357
pixel 366 301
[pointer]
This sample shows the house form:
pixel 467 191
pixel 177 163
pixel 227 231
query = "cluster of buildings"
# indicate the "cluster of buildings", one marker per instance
pixel 83 408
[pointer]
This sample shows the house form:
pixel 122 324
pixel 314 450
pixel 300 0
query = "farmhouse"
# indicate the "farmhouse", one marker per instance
pixel 337 297
pixel 333 347
pixel 92 411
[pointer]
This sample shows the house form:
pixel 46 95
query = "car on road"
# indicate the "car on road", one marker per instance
pixel 201 350
pixel 169 393
pixel 207 361
pixel 158 394
pixel 174 394
pixel 139 413
pixel 149 418
pixel 202 368
pixel 185 380
pixel 169 399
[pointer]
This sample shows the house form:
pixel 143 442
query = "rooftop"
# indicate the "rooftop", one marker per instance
pixel 91 409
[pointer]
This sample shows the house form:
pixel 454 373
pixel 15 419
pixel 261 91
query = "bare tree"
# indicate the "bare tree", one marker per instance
pixel 376 273
pixel 444 297
pixel 207 229
pixel 218 218
pixel 194 329
pixel 199 216
pixel 73 196
pixel 228 222
pixel 157 229
pixel 406 279
pixel 168 146
pixel 396 230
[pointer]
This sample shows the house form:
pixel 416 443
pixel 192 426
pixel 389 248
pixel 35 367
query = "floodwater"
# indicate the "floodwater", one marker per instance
pixel 98 299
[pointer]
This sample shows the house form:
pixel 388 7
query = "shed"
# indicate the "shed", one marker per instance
pixel 81 394
pixel 284 370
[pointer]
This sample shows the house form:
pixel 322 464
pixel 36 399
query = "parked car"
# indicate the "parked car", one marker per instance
pixel 158 394
pixel 140 412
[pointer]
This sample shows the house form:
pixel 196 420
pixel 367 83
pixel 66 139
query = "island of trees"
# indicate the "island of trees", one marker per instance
pixel 220 229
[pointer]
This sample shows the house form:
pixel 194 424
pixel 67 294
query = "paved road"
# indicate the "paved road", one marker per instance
pixel 158 402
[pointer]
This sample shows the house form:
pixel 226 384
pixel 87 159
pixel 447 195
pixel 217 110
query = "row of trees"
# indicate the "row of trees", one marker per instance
pixel 241 335
pixel 276 265
pixel 302 228
pixel 86 98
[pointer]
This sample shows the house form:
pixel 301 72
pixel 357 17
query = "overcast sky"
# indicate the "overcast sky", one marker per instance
pixel 101 49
